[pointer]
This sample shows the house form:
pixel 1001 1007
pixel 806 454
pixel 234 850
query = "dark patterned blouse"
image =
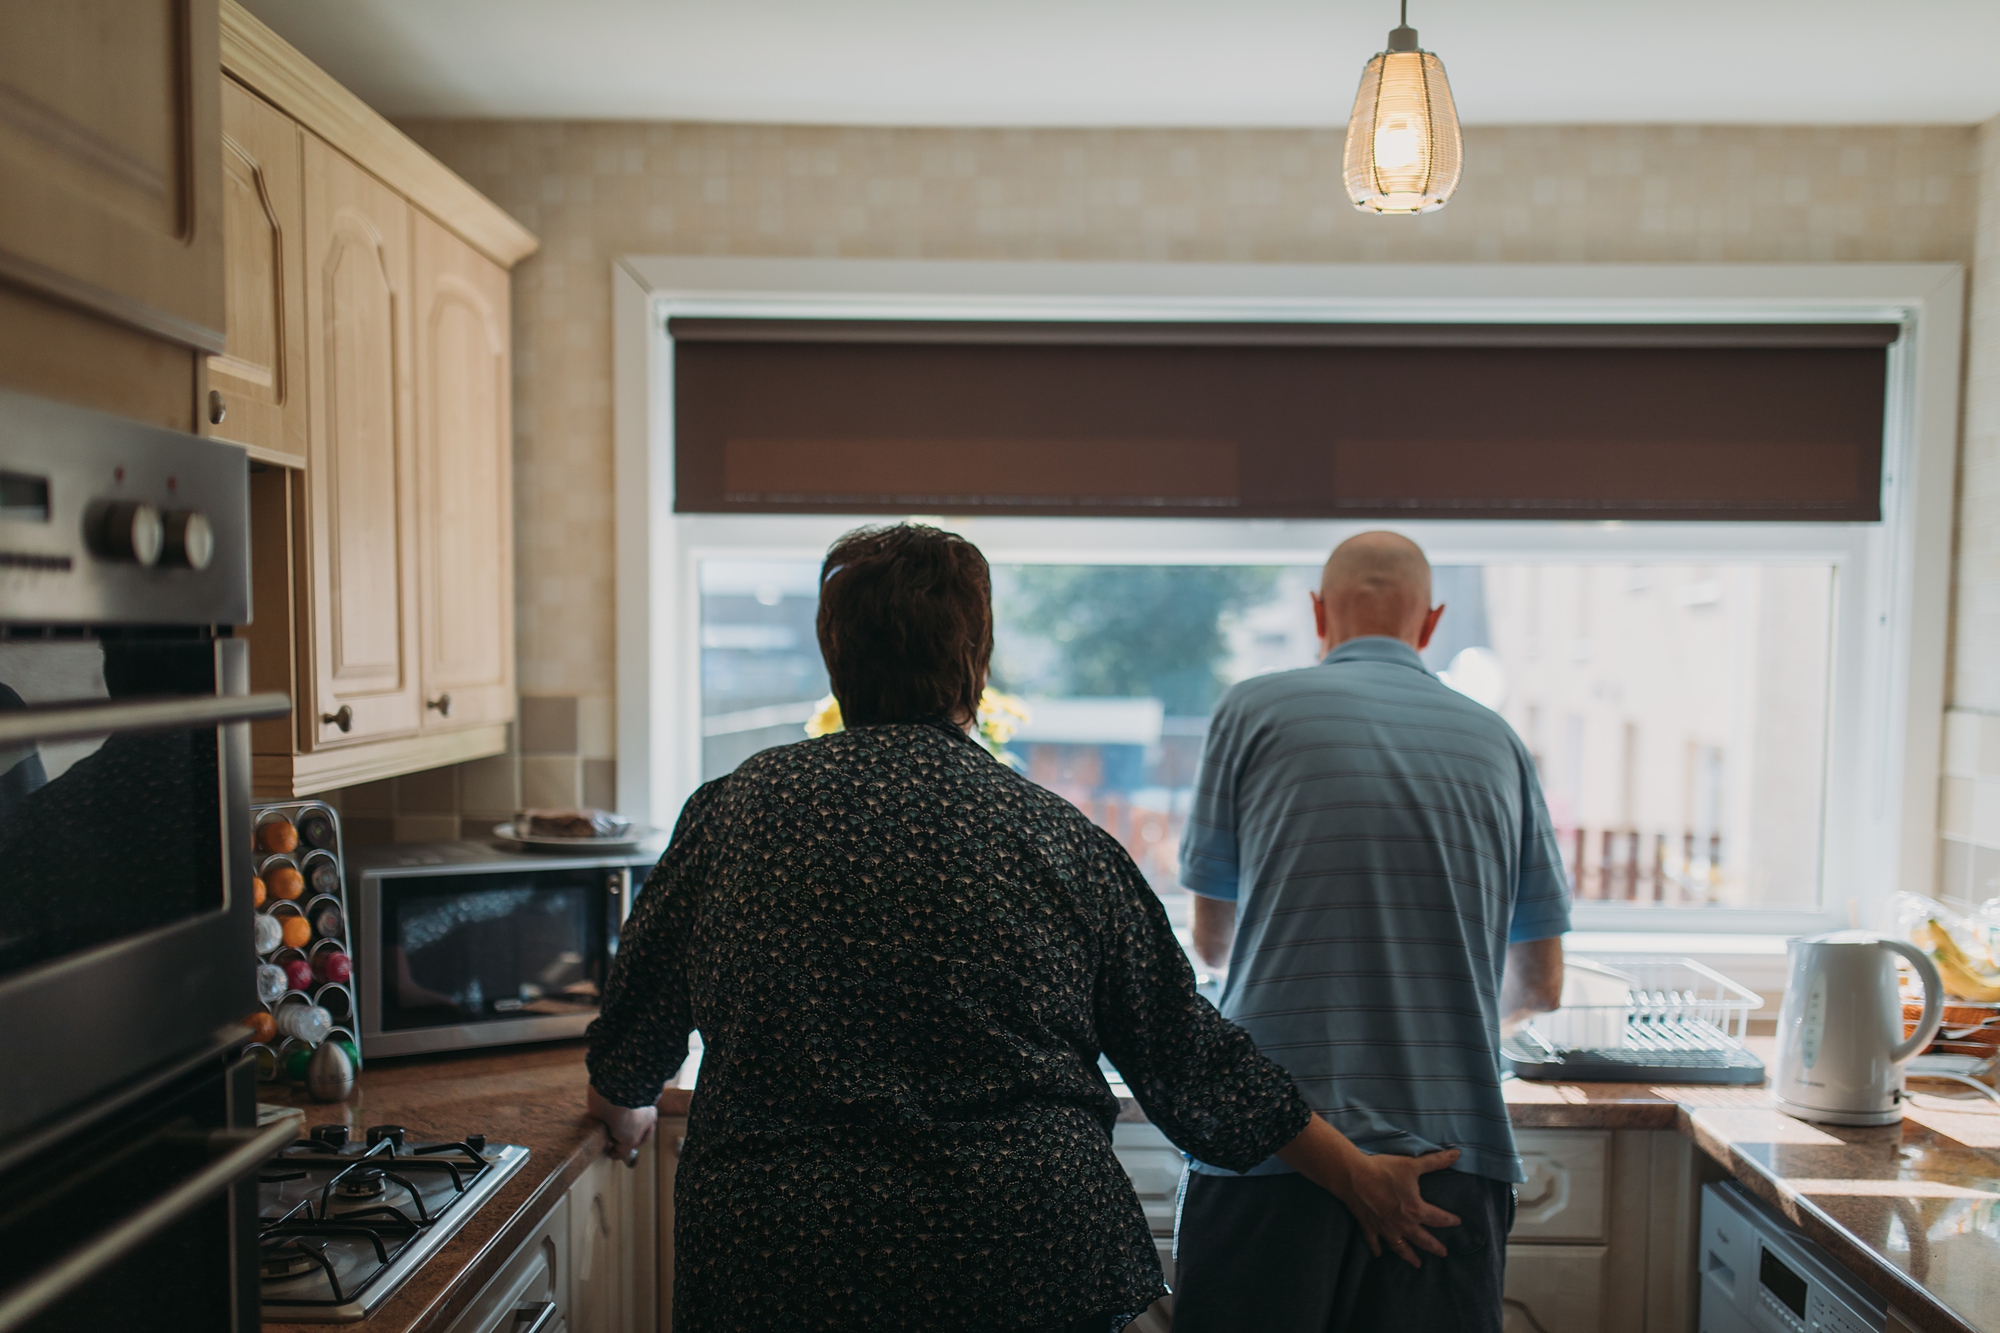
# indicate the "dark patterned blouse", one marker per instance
pixel 904 959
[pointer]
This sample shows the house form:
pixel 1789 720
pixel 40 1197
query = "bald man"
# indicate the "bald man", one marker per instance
pixel 1383 841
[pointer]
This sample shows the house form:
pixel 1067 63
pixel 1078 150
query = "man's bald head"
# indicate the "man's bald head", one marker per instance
pixel 1376 583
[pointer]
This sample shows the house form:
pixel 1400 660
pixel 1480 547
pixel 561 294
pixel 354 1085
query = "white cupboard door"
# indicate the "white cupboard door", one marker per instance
pixel 1554 1289
pixel 360 472
pixel 464 498
pixel 1563 1198
pixel 257 385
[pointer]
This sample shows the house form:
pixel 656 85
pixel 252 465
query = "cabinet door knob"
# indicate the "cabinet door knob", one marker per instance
pixel 217 409
pixel 442 704
pixel 344 719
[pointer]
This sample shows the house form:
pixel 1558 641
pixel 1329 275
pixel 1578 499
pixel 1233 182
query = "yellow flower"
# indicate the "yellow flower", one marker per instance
pixel 825 719
pixel 1000 716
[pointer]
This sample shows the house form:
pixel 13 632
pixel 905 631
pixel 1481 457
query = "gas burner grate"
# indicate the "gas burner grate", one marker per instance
pixel 341 1225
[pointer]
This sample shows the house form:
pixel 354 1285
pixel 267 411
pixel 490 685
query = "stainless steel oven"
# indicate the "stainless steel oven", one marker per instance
pixel 125 913
pixel 464 944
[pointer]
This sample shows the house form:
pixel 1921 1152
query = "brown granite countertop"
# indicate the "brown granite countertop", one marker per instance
pixel 533 1096
pixel 1913 1210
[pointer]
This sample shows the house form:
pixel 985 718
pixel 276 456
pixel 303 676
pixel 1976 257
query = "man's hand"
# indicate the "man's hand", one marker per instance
pixel 1381 1191
pixel 630 1126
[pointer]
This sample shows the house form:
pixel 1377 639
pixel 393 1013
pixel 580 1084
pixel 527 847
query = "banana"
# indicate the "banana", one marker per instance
pixel 1960 977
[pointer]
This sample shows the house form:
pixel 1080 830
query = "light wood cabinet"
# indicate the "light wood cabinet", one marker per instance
pixel 367 353
pixel 535 1277
pixel 1603 1233
pixel 109 186
pixel 612 1266
pixel 257 384
pixel 361 471
pixel 464 494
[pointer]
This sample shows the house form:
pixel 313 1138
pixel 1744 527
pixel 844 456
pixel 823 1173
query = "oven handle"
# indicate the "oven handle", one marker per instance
pixel 246 1151
pixel 55 722
pixel 537 1318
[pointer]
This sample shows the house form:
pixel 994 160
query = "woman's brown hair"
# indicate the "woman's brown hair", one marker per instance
pixel 906 625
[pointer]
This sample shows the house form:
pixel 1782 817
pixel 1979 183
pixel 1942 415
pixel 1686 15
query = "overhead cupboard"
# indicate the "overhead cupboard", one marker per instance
pixel 366 369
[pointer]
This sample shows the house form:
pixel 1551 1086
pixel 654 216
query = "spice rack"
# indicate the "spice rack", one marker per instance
pixel 304 960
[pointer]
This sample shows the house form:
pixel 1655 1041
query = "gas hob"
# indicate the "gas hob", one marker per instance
pixel 342 1224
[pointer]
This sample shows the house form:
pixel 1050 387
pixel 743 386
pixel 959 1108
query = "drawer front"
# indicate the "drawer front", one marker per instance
pixel 1155 1167
pixel 1563 1198
pixel 1554 1289
pixel 537 1272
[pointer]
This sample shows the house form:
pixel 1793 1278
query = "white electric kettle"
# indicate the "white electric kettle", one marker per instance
pixel 1840 1031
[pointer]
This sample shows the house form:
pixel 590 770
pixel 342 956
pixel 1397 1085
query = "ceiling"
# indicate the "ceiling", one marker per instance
pixel 1152 62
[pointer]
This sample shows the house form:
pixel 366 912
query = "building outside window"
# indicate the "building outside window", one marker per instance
pixel 1678 712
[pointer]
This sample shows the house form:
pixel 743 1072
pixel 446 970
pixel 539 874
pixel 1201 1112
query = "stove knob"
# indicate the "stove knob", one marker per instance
pixel 126 530
pixel 476 1142
pixel 393 1133
pixel 189 540
pixel 333 1136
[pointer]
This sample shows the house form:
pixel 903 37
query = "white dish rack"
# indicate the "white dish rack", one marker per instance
pixel 1668 1005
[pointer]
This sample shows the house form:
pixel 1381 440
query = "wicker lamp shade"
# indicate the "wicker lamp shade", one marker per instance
pixel 1403 148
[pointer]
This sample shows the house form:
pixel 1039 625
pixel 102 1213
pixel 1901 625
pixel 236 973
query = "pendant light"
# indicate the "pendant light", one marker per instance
pixel 1403 150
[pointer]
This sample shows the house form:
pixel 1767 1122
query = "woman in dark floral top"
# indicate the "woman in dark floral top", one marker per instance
pixel 904 959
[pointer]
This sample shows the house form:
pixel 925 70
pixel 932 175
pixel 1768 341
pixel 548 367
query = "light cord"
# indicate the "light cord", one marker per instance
pixel 1972 1083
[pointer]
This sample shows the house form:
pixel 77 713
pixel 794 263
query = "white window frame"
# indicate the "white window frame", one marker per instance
pixel 1892 581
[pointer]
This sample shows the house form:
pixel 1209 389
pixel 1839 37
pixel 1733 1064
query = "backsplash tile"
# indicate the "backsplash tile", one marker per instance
pixel 551 780
pixel 600 783
pixel 559 755
pixel 547 724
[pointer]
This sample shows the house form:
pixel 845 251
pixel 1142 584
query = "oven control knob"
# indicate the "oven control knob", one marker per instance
pixel 126 530
pixel 188 540
pixel 333 1136
pixel 393 1133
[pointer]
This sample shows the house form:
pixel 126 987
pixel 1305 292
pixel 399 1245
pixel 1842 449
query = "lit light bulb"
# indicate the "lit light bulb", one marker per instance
pixel 1399 144
pixel 1403 147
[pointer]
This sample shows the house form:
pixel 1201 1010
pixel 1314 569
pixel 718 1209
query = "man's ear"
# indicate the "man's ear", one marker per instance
pixel 1319 616
pixel 1430 626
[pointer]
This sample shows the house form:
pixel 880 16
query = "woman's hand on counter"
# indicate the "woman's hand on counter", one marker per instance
pixel 1380 1189
pixel 630 1126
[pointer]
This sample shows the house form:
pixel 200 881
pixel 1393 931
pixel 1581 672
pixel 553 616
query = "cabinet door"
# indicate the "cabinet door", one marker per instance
pixel 1554 1289
pixel 109 188
pixel 597 1214
pixel 259 381
pixel 360 469
pixel 464 497
pixel 1563 1198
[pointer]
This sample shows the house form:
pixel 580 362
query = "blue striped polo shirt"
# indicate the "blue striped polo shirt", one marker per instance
pixel 1384 839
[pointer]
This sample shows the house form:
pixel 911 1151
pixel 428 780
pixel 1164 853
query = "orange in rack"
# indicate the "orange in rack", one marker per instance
pixel 263 1025
pixel 256 891
pixel 277 835
pixel 286 882
pixel 298 931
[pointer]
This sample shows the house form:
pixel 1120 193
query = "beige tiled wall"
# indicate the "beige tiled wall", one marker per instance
pixel 595 191
pixel 559 754
pixel 1976 629
pixel 1969 811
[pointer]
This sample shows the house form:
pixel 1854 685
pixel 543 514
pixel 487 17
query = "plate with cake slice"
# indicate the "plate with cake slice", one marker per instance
pixel 571 830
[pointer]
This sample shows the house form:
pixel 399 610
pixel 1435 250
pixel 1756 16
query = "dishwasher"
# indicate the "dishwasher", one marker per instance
pixel 1759 1274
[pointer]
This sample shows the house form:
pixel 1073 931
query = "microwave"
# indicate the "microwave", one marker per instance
pixel 465 944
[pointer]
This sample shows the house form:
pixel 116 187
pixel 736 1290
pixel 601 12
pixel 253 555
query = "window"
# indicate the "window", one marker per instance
pixel 1678 712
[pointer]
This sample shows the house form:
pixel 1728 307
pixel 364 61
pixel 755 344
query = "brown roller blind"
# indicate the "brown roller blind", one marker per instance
pixel 1281 421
